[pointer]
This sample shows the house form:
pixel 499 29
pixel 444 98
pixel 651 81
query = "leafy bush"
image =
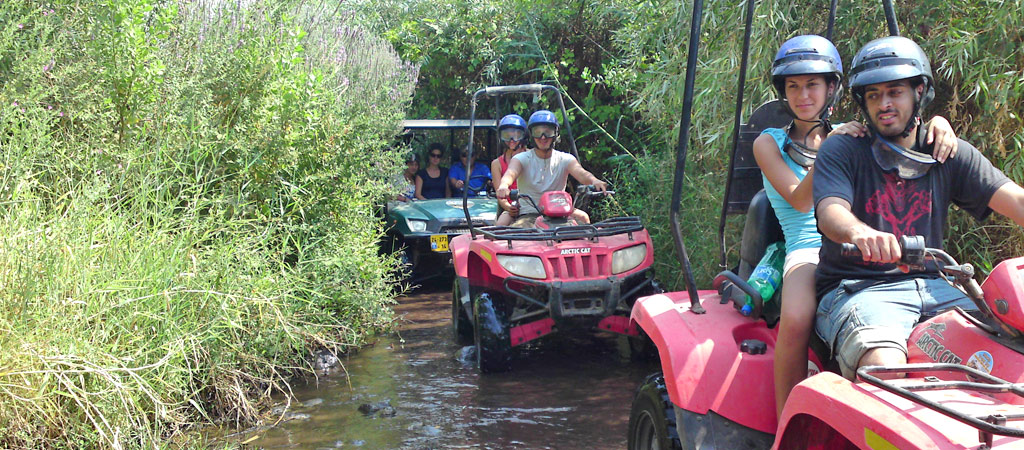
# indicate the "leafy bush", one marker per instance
pixel 186 196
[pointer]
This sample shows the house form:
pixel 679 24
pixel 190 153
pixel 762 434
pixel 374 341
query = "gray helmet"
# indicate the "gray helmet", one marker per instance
pixel 808 55
pixel 888 59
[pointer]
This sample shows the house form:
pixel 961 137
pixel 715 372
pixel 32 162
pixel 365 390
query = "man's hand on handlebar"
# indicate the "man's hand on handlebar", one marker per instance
pixel 501 192
pixel 877 246
pixel 600 186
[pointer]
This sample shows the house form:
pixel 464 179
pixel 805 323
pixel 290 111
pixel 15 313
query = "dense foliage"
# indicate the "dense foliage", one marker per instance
pixel 186 209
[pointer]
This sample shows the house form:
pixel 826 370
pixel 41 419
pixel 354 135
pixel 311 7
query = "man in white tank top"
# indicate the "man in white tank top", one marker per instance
pixel 544 169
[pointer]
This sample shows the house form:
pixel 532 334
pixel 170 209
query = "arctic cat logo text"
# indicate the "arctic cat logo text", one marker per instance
pixel 575 251
pixel 936 351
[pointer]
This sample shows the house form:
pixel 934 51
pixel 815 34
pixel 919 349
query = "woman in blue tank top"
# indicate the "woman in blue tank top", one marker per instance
pixel 807 74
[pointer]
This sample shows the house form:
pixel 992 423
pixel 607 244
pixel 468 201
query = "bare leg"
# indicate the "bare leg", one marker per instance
pixel 883 356
pixel 504 219
pixel 581 216
pixel 799 306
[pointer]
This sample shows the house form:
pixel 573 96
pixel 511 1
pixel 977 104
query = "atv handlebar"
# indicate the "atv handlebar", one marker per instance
pixel 915 255
pixel 912 251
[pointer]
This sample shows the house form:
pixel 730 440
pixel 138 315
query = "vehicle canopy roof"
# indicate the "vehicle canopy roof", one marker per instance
pixel 445 124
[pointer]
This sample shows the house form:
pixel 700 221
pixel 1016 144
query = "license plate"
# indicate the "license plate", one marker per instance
pixel 439 242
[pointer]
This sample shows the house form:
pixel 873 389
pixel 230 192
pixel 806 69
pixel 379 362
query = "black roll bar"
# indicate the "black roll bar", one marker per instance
pixel 723 263
pixel 684 138
pixel 831 20
pixel 890 18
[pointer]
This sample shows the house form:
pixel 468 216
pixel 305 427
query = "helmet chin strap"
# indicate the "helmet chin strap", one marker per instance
pixel 916 120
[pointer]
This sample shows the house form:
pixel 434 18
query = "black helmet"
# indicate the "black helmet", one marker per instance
pixel 888 59
pixel 808 55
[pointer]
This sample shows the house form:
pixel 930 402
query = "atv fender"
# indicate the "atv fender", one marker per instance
pixel 826 405
pixel 701 358
pixel 459 246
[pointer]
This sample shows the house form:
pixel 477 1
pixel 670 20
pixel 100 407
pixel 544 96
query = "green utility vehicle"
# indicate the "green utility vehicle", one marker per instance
pixel 421 229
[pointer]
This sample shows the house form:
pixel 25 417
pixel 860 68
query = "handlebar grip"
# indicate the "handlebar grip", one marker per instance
pixel 514 89
pixel 513 195
pixel 850 251
pixel 912 249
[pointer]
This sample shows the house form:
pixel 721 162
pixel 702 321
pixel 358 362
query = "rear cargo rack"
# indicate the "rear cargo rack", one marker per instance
pixel 987 425
pixel 610 227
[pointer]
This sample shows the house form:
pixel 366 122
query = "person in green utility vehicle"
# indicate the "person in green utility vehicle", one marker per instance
pixel 432 181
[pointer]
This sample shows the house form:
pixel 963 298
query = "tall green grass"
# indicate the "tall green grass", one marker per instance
pixel 186 210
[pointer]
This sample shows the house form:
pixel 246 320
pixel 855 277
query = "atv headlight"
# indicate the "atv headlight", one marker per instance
pixel 417 225
pixel 524 266
pixel 628 258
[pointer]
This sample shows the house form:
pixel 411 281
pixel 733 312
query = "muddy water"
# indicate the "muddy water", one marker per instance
pixel 418 390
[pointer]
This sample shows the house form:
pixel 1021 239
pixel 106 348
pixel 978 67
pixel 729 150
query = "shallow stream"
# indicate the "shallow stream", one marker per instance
pixel 417 389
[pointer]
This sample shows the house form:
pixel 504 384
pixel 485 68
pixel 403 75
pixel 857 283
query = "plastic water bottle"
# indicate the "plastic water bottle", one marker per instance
pixel 767 276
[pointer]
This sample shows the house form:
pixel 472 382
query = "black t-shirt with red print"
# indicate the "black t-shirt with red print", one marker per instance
pixel 845 168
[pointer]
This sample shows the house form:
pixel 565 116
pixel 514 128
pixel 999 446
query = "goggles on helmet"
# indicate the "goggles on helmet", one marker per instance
pixel 908 164
pixel 801 154
pixel 512 134
pixel 543 132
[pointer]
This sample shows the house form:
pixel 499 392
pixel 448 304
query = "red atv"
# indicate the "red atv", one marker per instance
pixel 514 285
pixel 962 385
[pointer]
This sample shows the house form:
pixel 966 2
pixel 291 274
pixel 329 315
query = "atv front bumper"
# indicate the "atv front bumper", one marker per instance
pixel 586 298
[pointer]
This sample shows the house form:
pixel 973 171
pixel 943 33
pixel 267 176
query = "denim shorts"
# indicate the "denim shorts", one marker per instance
pixel 861 315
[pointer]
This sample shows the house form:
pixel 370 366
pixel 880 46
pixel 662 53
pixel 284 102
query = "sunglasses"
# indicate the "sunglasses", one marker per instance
pixel 512 135
pixel 547 133
pixel 435 155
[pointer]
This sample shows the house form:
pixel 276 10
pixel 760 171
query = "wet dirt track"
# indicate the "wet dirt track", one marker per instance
pixel 417 390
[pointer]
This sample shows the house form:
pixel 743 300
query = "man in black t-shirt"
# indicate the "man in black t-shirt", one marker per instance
pixel 870 190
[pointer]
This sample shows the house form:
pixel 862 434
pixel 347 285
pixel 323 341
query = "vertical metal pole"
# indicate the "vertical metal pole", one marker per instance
pixel 831 20
pixel 469 169
pixel 567 126
pixel 890 18
pixel 736 130
pixel 684 138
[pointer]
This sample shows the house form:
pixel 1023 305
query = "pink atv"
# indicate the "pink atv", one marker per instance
pixel 962 387
pixel 963 381
pixel 515 285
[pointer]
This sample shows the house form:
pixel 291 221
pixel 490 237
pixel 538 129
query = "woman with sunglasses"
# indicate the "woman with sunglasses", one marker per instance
pixel 544 169
pixel 807 75
pixel 512 130
pixel 432 181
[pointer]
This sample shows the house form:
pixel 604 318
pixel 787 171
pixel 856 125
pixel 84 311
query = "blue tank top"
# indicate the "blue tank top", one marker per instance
pixel 799 228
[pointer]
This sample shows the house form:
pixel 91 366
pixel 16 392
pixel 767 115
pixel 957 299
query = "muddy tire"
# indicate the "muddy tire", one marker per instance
pixel 491 334
pixel 652 419
pixel 462 329
pixel 642 348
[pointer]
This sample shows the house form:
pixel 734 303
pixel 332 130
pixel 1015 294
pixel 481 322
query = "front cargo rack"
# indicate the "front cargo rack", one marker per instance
pixel 610 227
pixel 987 425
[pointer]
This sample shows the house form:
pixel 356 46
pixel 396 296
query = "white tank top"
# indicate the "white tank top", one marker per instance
pixel 541 175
